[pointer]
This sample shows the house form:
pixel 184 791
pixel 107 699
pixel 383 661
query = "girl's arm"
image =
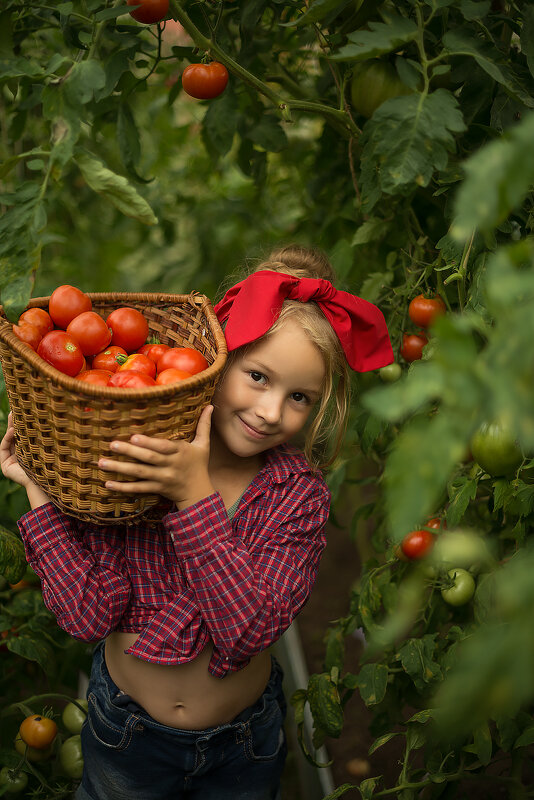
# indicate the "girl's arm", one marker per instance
pixel 11 468
pixel 248 594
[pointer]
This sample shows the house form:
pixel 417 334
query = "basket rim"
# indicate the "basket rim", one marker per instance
pixel 184 386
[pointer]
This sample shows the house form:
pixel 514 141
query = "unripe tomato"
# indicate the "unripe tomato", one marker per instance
pixel 38 731
pixel 374 82
pixel 13 781
pixel 412 346
pixel 417 544
pixel 462 588
pixel 73 717
pixel 205 81
pixel 494 449
pixel 424 310
pixel 32 753
pixel 70 756
pixel 390 373
pixel 149 11
pixel 65 303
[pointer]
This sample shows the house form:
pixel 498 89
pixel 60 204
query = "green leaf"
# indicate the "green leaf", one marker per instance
pixel 475 9
pixel 498 178
pixel 219 124
pixel 461 492
pixel 16 295
pixel 325 705
pixel 33 649
pixel 527 37
pixel 12 557
pixel 424 383
pixel 320 9
pixel 116 189
pixel 368 786
pixel 417 661
pixel 85 78
pixel 268 134
pixel 387 737
pixel 372 230
pixel 372 683
pixel 459 42
pixel 409 137
pixel 128 136
pixel 381 38
pixel 482 743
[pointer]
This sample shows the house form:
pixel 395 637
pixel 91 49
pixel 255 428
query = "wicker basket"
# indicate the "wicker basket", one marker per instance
pixel 63 425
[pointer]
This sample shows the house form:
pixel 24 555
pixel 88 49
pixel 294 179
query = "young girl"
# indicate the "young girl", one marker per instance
pixel 185 700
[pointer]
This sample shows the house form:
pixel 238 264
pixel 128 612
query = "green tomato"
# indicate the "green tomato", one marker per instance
pixel 374 82
pixel 70 756
pixel 462 589
pixel 495 450
pixel 390 373
pixel 32 753
pixel 14 781
pixel 461 548
pixel 73 717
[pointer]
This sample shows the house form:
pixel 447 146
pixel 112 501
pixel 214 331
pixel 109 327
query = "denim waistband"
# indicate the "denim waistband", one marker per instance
pixel 117 704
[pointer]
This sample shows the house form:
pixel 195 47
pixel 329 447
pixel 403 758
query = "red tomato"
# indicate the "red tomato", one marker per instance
pixel 29 334
pixel 417 544
pixel 63 352
pixel 184 358
pixel 65 303
pixel 131 380
pixel 171 375
pixel 412 346
pixel 90 331
pixel 100 377
pixel 149 11
pixel 423 310
pixel 130 328
pixel 107 359
pixel 139 363
pixel 205 81
pixel 154 351
pixel 38 317
pixel 436 523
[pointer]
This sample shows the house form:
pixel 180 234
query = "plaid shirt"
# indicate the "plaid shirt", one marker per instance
pixel 195 578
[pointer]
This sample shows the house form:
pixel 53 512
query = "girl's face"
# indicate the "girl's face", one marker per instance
pixel 268 392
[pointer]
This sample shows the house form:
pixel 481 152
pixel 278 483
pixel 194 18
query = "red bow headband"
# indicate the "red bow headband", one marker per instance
pixel 252 306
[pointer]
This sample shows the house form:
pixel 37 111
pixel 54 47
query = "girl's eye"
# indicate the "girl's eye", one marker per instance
pixel 257 377
pixel 299 397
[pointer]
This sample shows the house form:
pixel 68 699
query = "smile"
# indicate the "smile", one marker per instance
pixel 253 432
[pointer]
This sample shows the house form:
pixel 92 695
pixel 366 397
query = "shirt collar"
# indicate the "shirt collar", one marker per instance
pixel 284 461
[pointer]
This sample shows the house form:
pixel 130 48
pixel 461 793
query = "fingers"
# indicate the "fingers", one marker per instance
pixel 135 487
pixel 202 435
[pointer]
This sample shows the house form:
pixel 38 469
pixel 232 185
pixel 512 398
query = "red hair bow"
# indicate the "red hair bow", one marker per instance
pixel 252 306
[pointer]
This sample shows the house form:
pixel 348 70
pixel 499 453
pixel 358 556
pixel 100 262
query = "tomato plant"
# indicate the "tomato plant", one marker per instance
pixel 424 310
pixel 149 11
pixel 61 351
pixel 90 331
pixel 183 358
pixel 38 731
pixel 65 303
pixel 205 81
pixel 461 589
pixel 129 327
pixel 412 346
pixel 70 756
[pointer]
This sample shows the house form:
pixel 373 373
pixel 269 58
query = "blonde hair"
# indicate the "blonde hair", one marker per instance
pixel 324 435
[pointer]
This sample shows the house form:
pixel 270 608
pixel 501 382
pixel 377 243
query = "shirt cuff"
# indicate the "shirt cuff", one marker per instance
pixel 43 528
pixel 197 528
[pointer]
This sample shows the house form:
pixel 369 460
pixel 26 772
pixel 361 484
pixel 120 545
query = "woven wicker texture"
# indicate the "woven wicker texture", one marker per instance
pixel 63 426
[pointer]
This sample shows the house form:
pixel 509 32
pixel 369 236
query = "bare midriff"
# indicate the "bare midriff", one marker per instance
pixel 186 695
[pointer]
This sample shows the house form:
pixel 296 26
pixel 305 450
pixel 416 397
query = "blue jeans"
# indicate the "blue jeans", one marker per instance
pixel 128 755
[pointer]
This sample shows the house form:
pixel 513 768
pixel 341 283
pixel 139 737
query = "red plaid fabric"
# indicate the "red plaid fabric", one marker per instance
pixel 195 578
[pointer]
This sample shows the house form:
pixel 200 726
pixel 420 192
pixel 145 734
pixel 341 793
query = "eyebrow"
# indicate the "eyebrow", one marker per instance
pixel 313 393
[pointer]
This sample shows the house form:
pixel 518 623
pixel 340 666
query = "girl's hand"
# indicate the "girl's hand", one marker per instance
pixel 177 470
pixel 8 460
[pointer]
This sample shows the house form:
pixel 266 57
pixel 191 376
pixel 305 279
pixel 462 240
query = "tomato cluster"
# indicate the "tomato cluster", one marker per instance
pixel 114 352
pixel 422 312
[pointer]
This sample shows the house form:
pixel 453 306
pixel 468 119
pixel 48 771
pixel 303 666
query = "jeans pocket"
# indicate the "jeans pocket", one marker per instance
pixel 115 734
pixel 264 736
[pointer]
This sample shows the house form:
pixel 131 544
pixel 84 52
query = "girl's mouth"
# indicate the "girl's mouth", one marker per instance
pixel 253 432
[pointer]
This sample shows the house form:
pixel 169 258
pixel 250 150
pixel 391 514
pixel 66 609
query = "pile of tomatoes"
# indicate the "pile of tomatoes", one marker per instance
pixel 112 352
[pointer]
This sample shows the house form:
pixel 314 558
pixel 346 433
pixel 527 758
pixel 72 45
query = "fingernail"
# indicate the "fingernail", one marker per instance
pixel 114 446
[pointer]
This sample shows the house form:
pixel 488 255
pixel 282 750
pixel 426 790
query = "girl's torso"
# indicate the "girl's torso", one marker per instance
pixel 186 695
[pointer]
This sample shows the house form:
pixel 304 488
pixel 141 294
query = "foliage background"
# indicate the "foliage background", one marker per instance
pixel 112 179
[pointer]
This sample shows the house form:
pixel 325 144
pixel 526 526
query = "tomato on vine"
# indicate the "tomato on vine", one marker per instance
pixel 374 82
pixel 417 544
pixel 13 781
pixel 424 310
pixel 205 81
pixel 73 716
pixel 71 758
pixel 390 373
pixel 495 450
pixel 412 346
pixel 32 753
pixel 149 11
pixel 38 731
pixel 461 589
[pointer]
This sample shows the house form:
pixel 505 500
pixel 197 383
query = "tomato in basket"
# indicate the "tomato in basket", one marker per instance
pixel 62 351
pixel 90 331
pixel 131 380
pixel 107 359
pixel 38 317
pixel 129 327
pixel 29 334
pixel 154 351
pixel 138 363
pixel 99 377
pixel 184 358
pixel 66 302
pixel 171 375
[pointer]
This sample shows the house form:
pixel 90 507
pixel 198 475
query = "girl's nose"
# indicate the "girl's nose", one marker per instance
pixel 270 410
